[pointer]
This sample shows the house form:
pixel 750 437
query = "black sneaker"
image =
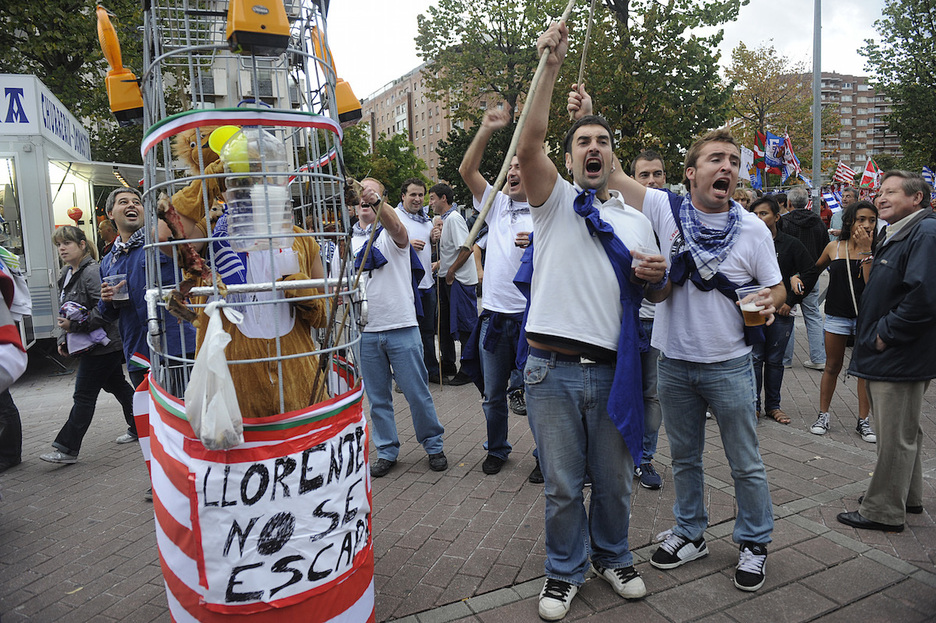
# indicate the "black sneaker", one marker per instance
pixel 536 476
pixel 459 379
pixel 752 560
pixel 649 478
pixel 626 582
pixel 438 462
pixel 556 599
pixel 492 464
pixel 381 468
pixel 148 496
pixel 517 402
pixel 676 551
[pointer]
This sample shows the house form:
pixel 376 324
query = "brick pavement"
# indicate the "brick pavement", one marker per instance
pixel 77 542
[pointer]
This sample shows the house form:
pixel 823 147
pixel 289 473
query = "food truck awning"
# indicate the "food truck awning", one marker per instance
pixel 109 173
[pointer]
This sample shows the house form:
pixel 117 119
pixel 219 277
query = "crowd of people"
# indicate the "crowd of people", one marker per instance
pixel 608 308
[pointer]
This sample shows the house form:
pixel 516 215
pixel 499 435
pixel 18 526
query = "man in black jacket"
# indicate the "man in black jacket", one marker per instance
pixel 808 228
pixel 895 339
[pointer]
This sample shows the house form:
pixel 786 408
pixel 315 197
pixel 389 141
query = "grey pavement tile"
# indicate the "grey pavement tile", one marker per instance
pixel 691 600
pixel 789 604
pixel 853 580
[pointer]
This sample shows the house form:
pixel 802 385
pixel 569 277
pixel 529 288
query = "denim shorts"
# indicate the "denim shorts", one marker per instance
pixel 837 325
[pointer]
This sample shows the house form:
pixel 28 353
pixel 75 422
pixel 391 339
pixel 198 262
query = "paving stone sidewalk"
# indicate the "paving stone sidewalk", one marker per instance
pixel 77 542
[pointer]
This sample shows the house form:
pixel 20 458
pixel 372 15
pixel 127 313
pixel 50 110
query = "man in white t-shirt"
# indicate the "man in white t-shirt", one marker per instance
pixel 582 375
pixel 390 343
pixel 509 226
pixel 458 298
pixel 714 246
pixel 422 234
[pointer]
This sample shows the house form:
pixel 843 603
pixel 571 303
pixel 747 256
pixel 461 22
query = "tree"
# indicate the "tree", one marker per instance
pixel 653 79
pixel 392 161
pixel 354 150
pixel 451 150
pixel 656 82
pixel 478 47
pixel 57 41
pixel 903 65
pixel 770 92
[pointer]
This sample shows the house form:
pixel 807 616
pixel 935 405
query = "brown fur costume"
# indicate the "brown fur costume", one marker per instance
pixel 189 202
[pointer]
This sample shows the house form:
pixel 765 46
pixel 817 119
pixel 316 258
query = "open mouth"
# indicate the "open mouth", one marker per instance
pixel 131 213
pixel 721 185
pixel 593 165
pixel 513 183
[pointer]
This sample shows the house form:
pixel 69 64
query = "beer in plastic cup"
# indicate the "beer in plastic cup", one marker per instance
pixel 636 261
pixel 120 292
pixel 749 309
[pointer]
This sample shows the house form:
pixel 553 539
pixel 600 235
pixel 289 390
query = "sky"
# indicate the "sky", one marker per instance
pixel 373 41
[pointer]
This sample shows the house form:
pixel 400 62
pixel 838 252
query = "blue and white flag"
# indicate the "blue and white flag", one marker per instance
pixel 928 175
pixel 832 201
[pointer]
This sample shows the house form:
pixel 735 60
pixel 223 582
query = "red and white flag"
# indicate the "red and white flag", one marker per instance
pixel 844 174
pixel 871 178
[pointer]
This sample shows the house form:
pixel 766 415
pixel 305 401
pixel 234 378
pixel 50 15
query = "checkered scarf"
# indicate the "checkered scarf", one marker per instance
pixel 709 247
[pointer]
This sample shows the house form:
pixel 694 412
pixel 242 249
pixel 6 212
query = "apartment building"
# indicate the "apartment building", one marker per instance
pixel 863 112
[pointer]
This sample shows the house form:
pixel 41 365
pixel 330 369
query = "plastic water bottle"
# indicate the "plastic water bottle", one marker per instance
pixel 258 199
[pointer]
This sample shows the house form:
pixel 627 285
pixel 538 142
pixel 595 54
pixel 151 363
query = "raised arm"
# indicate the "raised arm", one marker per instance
pixel 579 105
pixel 388 217
pixel 469 169
pixel 539 173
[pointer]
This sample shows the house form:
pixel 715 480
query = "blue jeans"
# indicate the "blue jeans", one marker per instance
pixel 812 316
pixel 95 372
pixel 728 386
pixel 497 367
pixel 653 414
pixel 768 361
pixel 567 410
pixel 400 349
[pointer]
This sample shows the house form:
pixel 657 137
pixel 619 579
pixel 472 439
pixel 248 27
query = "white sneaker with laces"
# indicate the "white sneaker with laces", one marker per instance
pixel 127 438
pixel 625 581
pixel 821 427
pixel 556 599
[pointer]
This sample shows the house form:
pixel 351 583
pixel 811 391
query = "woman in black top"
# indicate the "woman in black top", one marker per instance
pixel 849 263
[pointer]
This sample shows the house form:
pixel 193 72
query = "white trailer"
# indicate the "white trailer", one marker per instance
pixel 45 170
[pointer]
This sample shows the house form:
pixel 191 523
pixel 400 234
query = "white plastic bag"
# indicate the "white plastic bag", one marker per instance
pixel 210 400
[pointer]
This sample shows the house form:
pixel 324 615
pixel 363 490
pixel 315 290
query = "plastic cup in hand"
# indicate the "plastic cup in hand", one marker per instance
pixel 119 283
pixel 637 258
pixel 749 308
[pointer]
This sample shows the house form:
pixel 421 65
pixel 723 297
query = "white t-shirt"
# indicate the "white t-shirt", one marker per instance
pixel 706 327
pixel 389 288
pixel 505 220
pixel 420 231
pixel 454 234
pixel 575 293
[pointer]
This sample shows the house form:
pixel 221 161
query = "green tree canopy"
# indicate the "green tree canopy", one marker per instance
pixel 451 150
pixel 770 92
pixel 57 41
pixel 903 66
pixel 393 160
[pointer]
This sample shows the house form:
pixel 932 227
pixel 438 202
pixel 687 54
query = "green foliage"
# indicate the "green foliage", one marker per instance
pixel 451 150
pixel 392 161
pixel 903 63
pixel 57 41
pixel 770 92
pixel 478 47
pixel 655 82
pixel 354 148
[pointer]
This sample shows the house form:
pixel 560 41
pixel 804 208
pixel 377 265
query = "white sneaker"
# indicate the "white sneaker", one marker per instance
pixel 59 457
pixel 677 550
pixel 821 426
pixel 813 365
pixel 556 599
pixel 127 438
pixel 625 581
pixel 752 564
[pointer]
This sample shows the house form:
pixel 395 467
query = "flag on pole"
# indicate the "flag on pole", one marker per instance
pixel 768 152
pixel 831 201
pixel 928 175
pixel 791 164
pixel 807 181
pixel 844 174
pixel 755 178
pixel 871 178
